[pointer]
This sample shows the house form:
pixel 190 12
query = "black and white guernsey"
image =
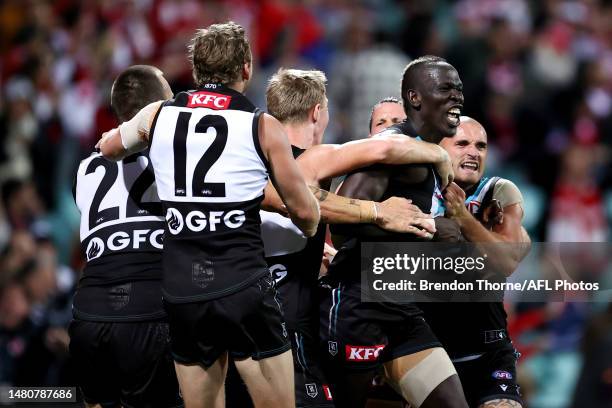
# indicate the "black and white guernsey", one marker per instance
pixel 211 174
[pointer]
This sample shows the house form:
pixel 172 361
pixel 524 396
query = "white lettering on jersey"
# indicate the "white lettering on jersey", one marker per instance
pixel 120 240
pixel 208 100
pixel 278 272
pixel 198 221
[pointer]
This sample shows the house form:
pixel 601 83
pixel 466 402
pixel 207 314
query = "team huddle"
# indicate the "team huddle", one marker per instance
pixel 204 219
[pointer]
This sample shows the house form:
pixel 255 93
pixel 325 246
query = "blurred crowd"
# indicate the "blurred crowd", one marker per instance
pixel 537 74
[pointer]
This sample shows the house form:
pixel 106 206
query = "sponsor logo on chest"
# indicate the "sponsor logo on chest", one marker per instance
pixel 208 100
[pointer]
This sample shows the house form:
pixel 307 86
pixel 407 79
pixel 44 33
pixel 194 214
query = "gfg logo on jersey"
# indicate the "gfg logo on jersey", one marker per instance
pixel 278 272
pixel 94 248
pixel 208 100
pixel 198 221
pixel 363 353
pixel 121 240
pixel 174 220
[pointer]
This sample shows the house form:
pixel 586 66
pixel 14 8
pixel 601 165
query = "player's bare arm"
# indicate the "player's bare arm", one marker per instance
pixel 394 214
pixel 331 160
pixel 370 185
pixel 131 136
pixel 301 205
pixel 509 231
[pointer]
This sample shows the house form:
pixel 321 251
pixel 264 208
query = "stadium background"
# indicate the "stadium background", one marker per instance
pixel 537 74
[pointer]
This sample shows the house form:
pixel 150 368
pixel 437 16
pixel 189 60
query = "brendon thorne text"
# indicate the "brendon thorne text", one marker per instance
pixel 484 285
pixel 403 272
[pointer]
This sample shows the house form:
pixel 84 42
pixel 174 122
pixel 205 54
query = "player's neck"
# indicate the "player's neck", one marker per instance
pixel 467 187
pixel 238 86
pixel 300 135
pixel 424 131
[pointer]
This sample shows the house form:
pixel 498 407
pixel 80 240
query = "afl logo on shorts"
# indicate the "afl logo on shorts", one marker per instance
pixel 174 220
pixel 94 248
pixel 502 375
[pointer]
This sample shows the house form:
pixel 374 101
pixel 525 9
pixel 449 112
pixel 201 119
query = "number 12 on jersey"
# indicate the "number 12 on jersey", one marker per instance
pixel 199 187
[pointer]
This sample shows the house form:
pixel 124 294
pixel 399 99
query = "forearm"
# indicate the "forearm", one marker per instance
pixel 501 252
pixel 336 209
pixel 131 136
pixel 407 150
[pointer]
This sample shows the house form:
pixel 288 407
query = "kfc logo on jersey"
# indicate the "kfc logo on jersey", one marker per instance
pixel 174 220
pixel 94 249
pixel 363 353
pixel 209 100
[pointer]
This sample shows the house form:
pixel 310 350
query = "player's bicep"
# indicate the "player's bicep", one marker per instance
pixel 309 163
pixel 369 184
pixel 286 176
pixel 512 232
pixel 511 227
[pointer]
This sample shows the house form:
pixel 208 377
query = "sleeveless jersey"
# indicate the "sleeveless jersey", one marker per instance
pixel 346 264
pixel 210 173
pixel 122 232
pixel 462 327
pixel 294 263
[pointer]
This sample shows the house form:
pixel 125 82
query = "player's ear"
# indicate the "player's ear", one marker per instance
pixel 316 113
pixel 247 71
pixel 414 98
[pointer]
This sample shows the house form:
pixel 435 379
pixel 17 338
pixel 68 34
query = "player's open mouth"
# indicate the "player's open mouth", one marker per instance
pixel 469 165
pixel 453 115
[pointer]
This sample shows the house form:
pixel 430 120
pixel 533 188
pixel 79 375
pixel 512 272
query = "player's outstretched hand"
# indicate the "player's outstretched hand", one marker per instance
pixel 444 168
pixel 399 215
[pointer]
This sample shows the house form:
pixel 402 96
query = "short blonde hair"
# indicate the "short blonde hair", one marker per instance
pixel 292 93
pixel 218 53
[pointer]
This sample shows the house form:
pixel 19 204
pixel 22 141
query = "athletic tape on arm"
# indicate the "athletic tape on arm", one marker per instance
pixel 135 132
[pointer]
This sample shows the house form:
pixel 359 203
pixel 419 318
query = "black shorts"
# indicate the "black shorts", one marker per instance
pixel 490 376
pixel 365 334
pixel 248 323
pixel 125 364
pixel 311 389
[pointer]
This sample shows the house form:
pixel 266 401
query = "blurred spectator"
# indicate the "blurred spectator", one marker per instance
pixel 577 209
pixel 362 73
pixel 594 388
